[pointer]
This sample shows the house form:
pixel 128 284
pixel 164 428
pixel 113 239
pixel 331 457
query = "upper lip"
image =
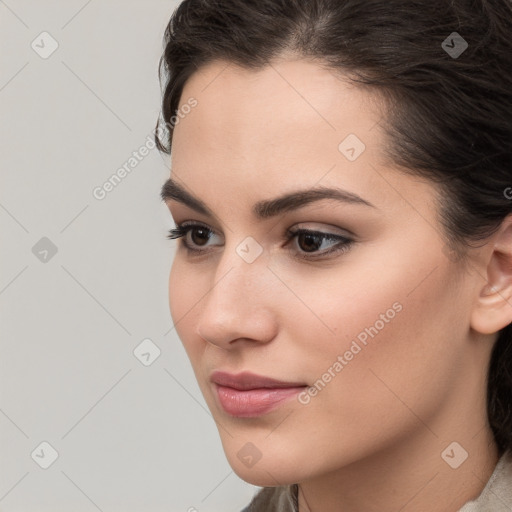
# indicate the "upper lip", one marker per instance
pixel 247 380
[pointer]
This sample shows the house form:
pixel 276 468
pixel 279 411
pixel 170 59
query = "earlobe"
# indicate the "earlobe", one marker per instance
pixel 492 310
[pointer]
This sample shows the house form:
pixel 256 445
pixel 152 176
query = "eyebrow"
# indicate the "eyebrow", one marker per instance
pixel 267 208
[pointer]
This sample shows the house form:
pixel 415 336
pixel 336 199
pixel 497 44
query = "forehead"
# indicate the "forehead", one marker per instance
pixel 258 131
pixel 284 99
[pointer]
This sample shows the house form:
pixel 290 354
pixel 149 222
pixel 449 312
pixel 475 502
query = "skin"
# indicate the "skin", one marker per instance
pixel 372 438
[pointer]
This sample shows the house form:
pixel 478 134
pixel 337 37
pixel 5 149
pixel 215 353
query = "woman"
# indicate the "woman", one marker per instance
pixel 341 185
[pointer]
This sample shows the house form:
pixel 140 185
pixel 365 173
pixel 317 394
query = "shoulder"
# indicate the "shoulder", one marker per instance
pixel 273 499
pixel 497 493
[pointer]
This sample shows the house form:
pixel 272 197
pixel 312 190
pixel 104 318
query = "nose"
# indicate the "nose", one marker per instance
pixel 240 305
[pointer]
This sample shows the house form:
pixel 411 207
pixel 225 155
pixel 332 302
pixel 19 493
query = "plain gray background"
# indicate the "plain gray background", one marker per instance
pixel 129 436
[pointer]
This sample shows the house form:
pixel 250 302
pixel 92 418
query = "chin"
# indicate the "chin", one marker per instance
pixel 268 469
pixel 268 475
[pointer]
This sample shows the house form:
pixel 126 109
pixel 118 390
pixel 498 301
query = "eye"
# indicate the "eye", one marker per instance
pixel 199 235
pixel 309 242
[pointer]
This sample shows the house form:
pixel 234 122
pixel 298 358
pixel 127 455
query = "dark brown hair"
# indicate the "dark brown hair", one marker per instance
pixel 449 115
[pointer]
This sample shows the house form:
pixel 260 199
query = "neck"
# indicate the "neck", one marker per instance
pixel 413 475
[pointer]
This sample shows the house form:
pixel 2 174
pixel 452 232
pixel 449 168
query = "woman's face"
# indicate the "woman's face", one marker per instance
pixel 376 331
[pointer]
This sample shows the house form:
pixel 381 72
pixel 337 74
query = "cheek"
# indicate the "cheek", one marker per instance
pixel 388 322
pixel 184 293
pixel 176 306
pixel 391 358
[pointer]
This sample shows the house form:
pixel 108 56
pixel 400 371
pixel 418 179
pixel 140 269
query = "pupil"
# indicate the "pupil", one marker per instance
pixel 305 236
pixel 204 235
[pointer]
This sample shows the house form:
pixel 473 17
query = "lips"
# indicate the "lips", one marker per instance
pixel 247 380
pixel 249 395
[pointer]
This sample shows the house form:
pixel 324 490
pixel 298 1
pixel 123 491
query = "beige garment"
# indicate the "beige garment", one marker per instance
pixel 495 497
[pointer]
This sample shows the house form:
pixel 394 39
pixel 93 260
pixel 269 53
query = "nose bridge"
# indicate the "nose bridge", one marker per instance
pixel 237 282
pixel 237 306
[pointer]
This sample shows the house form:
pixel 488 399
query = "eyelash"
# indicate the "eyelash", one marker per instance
pixel 181 230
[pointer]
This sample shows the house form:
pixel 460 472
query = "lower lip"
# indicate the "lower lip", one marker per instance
pixel 254 402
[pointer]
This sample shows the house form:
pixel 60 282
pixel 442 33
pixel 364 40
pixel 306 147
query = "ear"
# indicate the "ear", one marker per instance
pixel 492 310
